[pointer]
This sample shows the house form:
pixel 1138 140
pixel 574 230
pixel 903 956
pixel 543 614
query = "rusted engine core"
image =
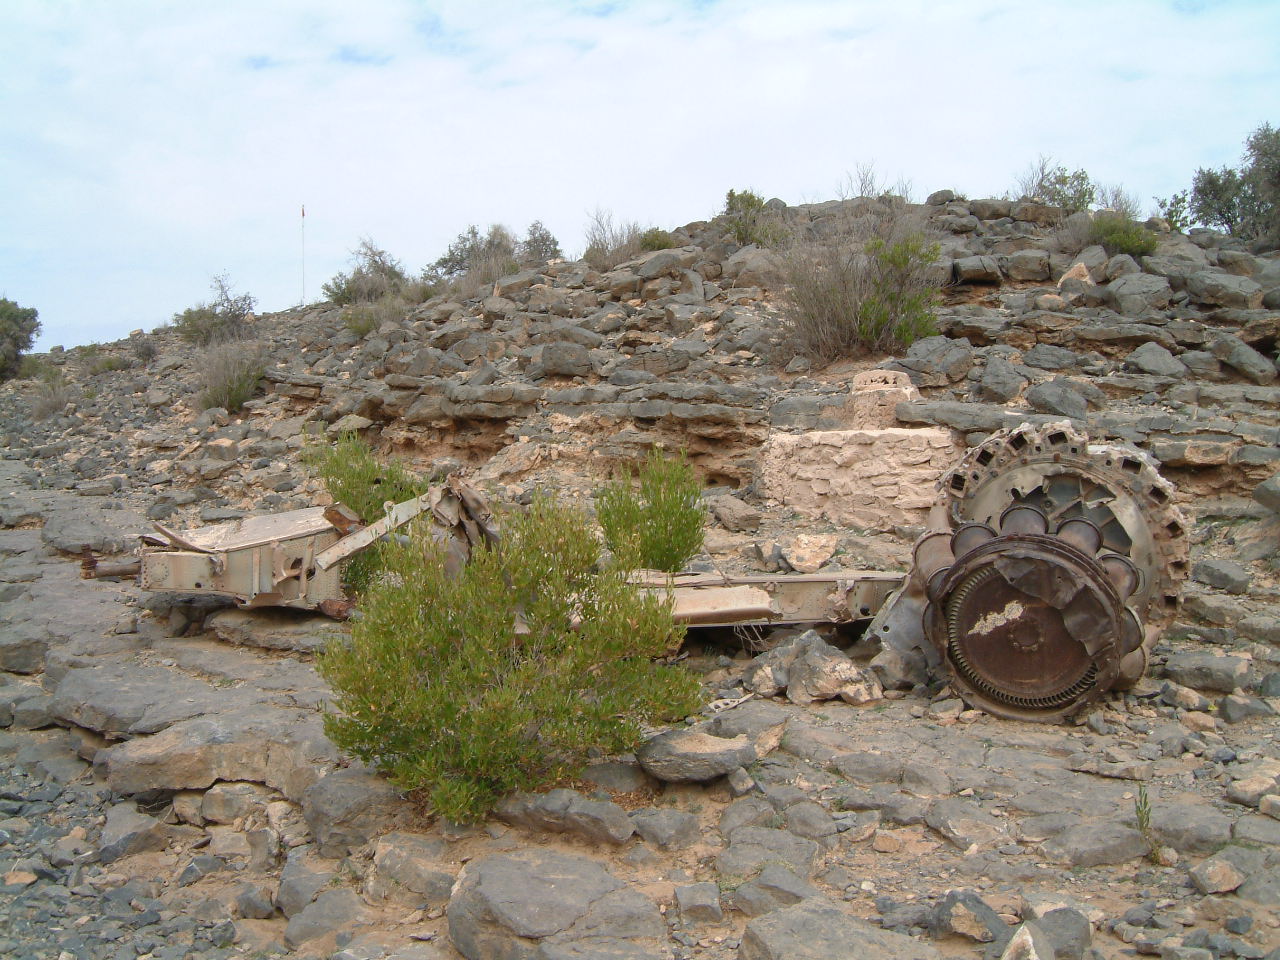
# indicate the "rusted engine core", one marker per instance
pixel 1030 624
pixel 1117 488
pixel 1051 567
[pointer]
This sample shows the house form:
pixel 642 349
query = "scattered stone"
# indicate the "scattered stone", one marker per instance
pixel 691 756
pixel 699 903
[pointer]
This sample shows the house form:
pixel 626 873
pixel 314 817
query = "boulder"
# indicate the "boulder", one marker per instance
pixel 544 905
pixel 1134 294
pixel 1058 396
pixel 936 361
pixel 816 929
pixel 348 808
pixel 1237 354
pixel 694 756
pixel 1156 360
pixel 979 269
pixel 1224 290
pixel 567 811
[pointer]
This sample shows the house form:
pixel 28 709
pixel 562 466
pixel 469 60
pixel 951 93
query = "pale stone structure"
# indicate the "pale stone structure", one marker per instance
pixel 867 479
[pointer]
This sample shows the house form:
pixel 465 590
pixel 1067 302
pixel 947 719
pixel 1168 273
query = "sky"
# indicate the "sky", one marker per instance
pixel 147 146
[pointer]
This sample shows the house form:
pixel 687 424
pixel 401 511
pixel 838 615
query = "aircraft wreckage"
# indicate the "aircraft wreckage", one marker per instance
pixel 1048 569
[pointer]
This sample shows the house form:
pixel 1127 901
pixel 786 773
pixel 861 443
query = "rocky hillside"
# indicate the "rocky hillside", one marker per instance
pixel 166 789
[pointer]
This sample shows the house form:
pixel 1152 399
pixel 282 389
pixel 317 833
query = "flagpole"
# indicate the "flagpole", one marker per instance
pixel 304 256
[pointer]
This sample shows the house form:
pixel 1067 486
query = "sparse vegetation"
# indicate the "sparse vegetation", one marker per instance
pixel 363 319
pixel 657 522
pixel 374 274
pixel 538 246
pixel 108 363
pixel 750 220
pixel 1175 211
pixel 1246 201
pixel 33 368
pixel 655 238
pixel 354 475
pixel 144 350
pixel 223 319
pixel 18 329
pixel 1119 234
pixel 1142 814
pixel 1048 182
pixel 53 393
pixel 609 243
pixel 229 375
pixel 873 290
pixel 511 673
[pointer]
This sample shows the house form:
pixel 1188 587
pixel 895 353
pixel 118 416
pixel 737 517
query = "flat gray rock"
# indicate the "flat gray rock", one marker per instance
pixel 348 808
pixel 816 929
pixel 692 756
pixel 567 811
pixel 543 904
pixel 1096 844
pixel 751 848
pixel 277 629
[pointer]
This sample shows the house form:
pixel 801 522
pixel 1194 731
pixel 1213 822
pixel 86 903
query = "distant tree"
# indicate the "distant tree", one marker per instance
pixel 473 252
pixel 18 329
pixel 223 318
pixel 1245 202
pixel 1048 182
pixel 539 245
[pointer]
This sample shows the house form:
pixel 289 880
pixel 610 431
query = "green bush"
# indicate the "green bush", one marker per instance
pixel 845 298
pixel 656 524
pixel 33 368
pixel 509 676
pixel 354 475
pixel 221 320
pixel 1119 234
pixel 538 246
pixel 18 329
pixel 1052 184
pixel 229 375
pixel 655 238
pixel 375 275
pixel 750 221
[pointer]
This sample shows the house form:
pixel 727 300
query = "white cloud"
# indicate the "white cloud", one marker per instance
pixel 145 146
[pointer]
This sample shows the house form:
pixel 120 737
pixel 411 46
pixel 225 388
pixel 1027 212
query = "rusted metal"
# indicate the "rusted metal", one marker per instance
pixel 1049 568
pixel 91 568
pixel 1030 624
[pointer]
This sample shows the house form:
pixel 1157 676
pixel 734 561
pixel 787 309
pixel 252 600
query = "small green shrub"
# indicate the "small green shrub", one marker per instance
pixel 1175 211
pixel 374 274
pixel 750 221
pixel 655 238
pixel 538 246
pixel 354 475
pixel 1119 234
pixel 658 523
pixel 223 319
pixel 508 676
pixel 229 375
pixel 1048 182
pixel 144 350
pixel 844 298
pixel 18 329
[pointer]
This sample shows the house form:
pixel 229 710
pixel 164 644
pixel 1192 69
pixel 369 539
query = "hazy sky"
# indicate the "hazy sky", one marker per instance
pixel 145 146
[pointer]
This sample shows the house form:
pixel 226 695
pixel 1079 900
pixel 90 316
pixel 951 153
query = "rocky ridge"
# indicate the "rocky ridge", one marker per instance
pixel 168 791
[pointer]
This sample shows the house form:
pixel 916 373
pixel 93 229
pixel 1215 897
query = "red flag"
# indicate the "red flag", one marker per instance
pixel 304 210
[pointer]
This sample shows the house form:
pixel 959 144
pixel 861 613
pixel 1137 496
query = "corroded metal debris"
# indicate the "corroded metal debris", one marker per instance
pixel 1050 568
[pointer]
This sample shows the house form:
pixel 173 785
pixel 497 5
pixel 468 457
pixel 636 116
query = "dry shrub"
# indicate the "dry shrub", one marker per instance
pixel 53 393
pixel 874 288
pixel 363 319
pixel 229 375
pixel 609 244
